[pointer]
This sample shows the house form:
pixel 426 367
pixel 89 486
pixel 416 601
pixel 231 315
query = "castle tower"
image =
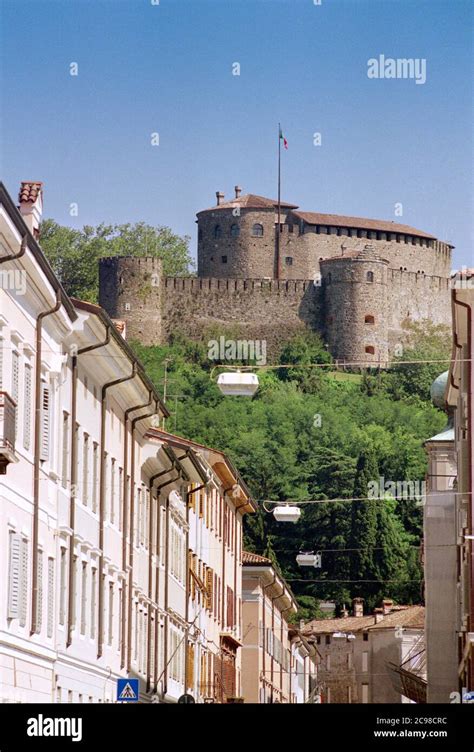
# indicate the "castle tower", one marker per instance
pixel 356 305
pixel 236 239
pixel 130 290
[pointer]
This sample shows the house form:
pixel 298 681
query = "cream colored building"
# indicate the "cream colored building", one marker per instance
pixel 376 658
pixel 459 398
pixel 266 652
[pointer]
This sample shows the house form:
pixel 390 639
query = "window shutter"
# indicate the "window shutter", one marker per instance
pixel 24 581
pixel 14 585
pixel 190 666
pixel 50 597
pixel 15 381
pixel 209 584
pixel 44 449
pixel 39 602
pixel 1 363
pixel 27 408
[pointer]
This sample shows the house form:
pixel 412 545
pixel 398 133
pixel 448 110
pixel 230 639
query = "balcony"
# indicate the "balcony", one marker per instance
pixel 7 432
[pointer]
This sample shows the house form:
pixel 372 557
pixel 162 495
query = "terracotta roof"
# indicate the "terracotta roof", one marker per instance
pixel 364 253
pixel 250 558
pixel 336 220
pixel 250 201
pixel 29 191
pixel 410 616
pixel 400 616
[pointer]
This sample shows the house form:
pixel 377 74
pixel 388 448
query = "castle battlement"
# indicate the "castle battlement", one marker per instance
pixel 355 281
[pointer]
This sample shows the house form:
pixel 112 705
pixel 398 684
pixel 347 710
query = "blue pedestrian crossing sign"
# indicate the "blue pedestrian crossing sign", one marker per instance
pixel 128 690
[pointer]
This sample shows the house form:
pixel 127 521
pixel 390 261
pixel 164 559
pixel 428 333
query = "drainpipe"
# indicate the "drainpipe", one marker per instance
pixel 157 580
pixel 469 465
pixel 164 673
pixel 150 570
pixel 270 584
pixel 132 514
pixel 73 476
pixel 15 256
pixel 275 598
pixel 186 613
pixel 123 614
pixel 102 479
pixel 288 608
pixel 244 503
pixel 36 466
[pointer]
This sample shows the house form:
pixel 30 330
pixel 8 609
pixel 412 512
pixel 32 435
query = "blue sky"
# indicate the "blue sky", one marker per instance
pixel 167 68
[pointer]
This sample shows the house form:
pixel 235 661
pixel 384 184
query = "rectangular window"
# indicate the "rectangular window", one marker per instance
pixel 74 591
pixel 39 600
pixel 112 490
pixel 24 582
pixel 111 613
pixel 14 577
pixel 365 693
pixel 27 397
pixel 62 586
pixel 95 475
pixel 45 421
pixel 85 470
pixel 50 622
pixel 120 499
pixel 365 661
pixel 83 598
pixel 65 451
pixel 93 600
pixel 15 383
pixel 289 260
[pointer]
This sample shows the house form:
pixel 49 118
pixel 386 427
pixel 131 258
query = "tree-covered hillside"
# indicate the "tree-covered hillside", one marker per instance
pixel 312 434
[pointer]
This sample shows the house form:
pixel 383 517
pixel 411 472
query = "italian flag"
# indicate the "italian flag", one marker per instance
pixel 285 142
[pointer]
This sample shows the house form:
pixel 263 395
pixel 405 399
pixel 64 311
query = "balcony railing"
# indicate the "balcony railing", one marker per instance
pixel 7 431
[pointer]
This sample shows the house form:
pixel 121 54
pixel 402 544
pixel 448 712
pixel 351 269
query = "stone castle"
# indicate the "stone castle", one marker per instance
pixel 267 273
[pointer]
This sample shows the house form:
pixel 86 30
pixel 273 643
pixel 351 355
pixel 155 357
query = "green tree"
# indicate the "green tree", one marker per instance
pixel 74 254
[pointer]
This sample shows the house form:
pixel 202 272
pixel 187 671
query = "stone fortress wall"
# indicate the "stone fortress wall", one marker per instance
pixel 356 286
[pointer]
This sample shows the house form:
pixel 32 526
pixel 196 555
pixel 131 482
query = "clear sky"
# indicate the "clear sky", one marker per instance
pixel 167 68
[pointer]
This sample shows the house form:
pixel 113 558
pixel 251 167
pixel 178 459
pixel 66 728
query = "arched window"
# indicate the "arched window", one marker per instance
pixel 370 276
pixel 257 230
pixel 370 350
pixel 369 319
pixel 217 231
pixel 234 231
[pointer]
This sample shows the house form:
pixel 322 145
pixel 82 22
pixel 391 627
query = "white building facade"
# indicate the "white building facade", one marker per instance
pixel 94 514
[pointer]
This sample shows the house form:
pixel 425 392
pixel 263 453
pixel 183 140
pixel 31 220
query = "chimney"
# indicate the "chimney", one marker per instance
pixel 378 613
pixel 31 205
pixel 387 605
pixel 219 197
pixel 238 191
pixel 358 607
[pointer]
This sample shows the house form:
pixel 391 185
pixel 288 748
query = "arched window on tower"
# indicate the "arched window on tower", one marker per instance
pixel 369 319
pixel 370 350
pixel 257 230
pixel 234 231
pixel 370 276
pixel 217 231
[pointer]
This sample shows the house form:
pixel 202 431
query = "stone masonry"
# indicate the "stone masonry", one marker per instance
pixel 357 282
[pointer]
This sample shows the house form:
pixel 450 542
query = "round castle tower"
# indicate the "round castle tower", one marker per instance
pixel 355 296
pixel 130 290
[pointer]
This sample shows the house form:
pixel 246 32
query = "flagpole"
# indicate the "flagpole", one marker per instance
pixel 279 206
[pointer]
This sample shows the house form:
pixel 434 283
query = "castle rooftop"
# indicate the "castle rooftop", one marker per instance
pixel 336 220
pixel 250 201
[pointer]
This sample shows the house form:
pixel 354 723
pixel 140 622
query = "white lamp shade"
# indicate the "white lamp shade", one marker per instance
pixel 308 560
pixel 238 384
pixel 287 513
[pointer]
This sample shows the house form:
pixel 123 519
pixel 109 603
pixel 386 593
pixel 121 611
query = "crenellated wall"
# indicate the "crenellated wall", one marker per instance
pixel 156 307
